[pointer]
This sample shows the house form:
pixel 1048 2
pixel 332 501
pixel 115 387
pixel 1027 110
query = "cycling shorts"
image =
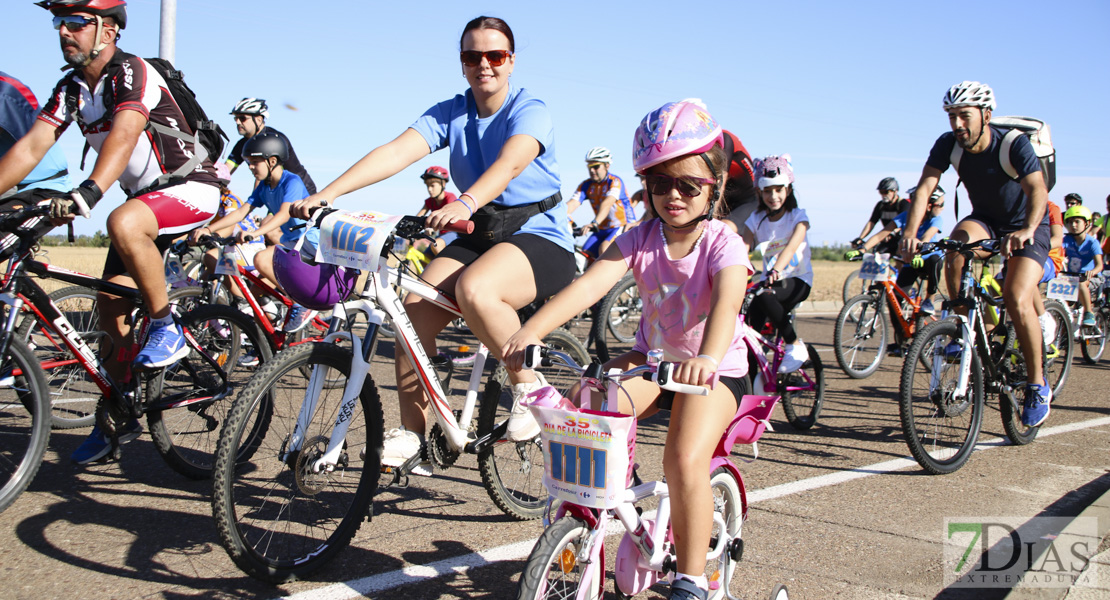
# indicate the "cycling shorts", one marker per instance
pixel 737 385
pixel 1038 247
pixel 597 238
pixel 552 267
pixel 178 210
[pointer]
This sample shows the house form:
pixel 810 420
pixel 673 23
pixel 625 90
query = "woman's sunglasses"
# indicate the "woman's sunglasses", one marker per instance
pixel 689 187
pixel 473 58
pixel 72 22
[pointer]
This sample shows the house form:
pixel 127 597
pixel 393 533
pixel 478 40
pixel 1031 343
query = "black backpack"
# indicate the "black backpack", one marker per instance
pixel 206 133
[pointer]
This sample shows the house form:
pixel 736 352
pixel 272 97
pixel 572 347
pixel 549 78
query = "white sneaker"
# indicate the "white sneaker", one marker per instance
pixel 796 356
pixel 1048 327
pixel 400 445
pixel 522 425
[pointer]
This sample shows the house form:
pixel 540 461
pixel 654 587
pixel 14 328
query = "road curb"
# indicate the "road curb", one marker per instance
pixel 1100 588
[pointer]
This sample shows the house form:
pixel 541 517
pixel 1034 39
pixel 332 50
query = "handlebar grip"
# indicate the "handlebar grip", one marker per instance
pixel 460 227
pixel 533 354
pixel 664 378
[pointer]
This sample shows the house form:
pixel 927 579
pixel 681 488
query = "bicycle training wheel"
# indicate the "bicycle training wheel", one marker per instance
pixel 1059 353
pixel 554 571
pixel 188 402
pixel 24 420
pixel 278 517
pixel 1093 339
pixel 779 593
pixel 803 391
pixel 617 319
pixel 860 336
pixel 73 395
pixel 512 472
pixel 940 428
pixel 729 503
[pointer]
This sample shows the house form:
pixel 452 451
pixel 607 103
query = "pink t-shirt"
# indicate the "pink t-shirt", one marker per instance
pixel 678 294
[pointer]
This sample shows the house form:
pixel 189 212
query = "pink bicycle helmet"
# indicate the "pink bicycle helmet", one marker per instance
pixel 673 130
pixel 319 287
pixel 774 170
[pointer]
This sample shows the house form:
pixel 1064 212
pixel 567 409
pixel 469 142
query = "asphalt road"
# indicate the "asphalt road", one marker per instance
pixel 837 511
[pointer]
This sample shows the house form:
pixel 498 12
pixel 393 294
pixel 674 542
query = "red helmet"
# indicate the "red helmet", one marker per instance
pixel 436 172
pixel 117 9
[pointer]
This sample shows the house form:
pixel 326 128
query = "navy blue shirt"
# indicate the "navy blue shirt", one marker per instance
pixel 997 200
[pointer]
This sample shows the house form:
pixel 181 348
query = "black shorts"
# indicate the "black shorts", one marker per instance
pixel 1037 250
pixel 544 256
pixel 739 386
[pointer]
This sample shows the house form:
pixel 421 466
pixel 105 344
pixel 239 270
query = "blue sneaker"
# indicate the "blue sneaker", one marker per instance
pixel 164 347
pixel 1038 400
pixel 97 445
pixel 927 307
pixel 1089 320
pixel 299 316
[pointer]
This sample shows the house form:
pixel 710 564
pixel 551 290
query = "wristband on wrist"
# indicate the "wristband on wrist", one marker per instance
pixel 716 363
pixel 467 195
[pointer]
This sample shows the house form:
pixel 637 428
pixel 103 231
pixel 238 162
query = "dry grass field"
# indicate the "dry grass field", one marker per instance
pixel 828 276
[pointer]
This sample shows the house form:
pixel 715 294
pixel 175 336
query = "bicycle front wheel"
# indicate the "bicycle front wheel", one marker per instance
pixel 73 395
pixel 859 337
pixel 1059 351
pixel 940 427
pixel 188 401
pixel 556 569
pixel 512 472
pixel 803 392
pixel 1093 339
pixel 729 503
pixel 853 286
pixel 278 517
pixel 24 420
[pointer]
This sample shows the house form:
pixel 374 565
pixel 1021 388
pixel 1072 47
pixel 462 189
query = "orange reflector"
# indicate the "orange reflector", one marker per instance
pixel 715 576
pixel 221 359
pixel 567 560
pixel 464 348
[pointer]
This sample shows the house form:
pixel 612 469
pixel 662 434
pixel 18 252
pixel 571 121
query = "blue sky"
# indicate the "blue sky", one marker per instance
pixel 852 90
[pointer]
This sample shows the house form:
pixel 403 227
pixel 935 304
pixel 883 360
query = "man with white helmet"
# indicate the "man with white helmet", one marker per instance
pixel 1013 209
pixel 250 119
pixel 608 197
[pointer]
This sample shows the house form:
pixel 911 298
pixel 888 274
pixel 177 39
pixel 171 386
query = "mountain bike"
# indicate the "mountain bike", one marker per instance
pixel 941 405
pixel 860 335
pixel 595 491
pixel 291 506
pixel 183 403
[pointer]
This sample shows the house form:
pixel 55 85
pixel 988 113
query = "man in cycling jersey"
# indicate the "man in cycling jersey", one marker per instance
pixel 890 205
pixel 1001 207
pixel 170 188
pixel 250 116
pixel 609 199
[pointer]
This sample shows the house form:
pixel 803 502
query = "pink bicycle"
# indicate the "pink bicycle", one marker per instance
pixel 568 560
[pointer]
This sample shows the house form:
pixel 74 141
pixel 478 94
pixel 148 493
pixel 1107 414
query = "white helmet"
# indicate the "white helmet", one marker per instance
pixel 969 93
pixel 599 154
pixel 251 106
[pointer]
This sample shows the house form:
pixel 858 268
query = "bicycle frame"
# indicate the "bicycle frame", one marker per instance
pixel 378 301
pixel 769 369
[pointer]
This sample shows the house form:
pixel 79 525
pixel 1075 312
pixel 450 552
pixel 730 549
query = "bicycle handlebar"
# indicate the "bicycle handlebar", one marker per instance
pixel 662 375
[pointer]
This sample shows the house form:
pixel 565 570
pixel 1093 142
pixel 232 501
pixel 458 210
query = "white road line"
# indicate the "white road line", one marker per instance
pixel 459 565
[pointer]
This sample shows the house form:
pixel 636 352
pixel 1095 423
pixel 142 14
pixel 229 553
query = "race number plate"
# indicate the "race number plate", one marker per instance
pixel 354 240
pixel 876 267
pixel 229 257
pixel 1064 287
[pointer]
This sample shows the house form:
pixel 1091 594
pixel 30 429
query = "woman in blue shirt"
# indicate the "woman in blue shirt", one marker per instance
pixel 501 146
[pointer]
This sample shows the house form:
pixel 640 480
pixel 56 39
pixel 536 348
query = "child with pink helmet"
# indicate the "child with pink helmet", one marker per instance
pixel 691 271
pixel 780 229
